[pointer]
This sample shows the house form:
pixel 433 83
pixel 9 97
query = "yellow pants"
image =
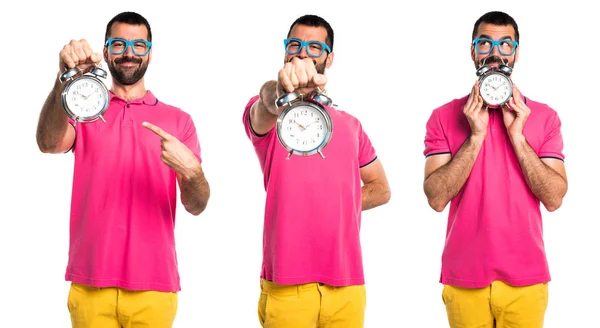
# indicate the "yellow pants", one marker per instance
pixel 499 305
pixel 311 305
pixel 92 307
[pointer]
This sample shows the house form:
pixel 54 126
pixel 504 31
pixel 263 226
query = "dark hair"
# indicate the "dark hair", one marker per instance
pixel 496 18
pixel 315 21
pixel 130 18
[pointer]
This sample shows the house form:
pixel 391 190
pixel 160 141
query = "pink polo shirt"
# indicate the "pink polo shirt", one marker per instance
pixel 124 198
pixel 494 227
pixel 313 206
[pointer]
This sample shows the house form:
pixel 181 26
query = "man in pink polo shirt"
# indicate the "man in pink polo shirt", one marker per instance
pixel 312 274
pixel 122 257
pixel 494 166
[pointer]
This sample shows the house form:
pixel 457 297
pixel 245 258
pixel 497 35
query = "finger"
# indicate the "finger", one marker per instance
pixel 65 57
pixel 515 91
pixel 87 50
pixel 310 70
pixel 320 80
pixel 305 90
pixel 519 100
pixel 91 56
pixel 77 51
pixel 285 82
pixel 479 104
pixel 474 100
pixel 302 73
pixel 516 107
pixel 470 100
pixel 158 131
pixel 294 80
pixel 96 58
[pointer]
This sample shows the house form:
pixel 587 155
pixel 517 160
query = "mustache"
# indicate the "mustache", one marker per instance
pixel 493 59
pixel 127 59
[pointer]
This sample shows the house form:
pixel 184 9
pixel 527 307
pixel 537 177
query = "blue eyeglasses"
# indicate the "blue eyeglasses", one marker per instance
pixel 117 46
pixel 313 48
pixel 485 46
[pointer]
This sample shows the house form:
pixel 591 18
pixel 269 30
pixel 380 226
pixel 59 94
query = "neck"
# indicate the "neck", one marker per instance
pixel 129 92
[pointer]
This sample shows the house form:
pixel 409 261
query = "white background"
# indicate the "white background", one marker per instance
pixel 393 65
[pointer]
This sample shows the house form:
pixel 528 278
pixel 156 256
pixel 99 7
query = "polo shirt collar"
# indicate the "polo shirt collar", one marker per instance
pixel 147 99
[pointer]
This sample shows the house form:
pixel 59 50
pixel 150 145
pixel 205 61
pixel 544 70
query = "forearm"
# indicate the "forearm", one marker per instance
pixel 195 190
pixel 263 114
pixel 53 121
pixel 445 183
pixel 374 194
pixel 545 183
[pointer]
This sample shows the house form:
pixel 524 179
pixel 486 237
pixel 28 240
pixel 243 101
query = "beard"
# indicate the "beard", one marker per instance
pixel 321 67
pixel 127 76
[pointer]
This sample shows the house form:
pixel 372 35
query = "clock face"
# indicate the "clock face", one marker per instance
pixel 495 89
pixel 304 128
pixel 85 98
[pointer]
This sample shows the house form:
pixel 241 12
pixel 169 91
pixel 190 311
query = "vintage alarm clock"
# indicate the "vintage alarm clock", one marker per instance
pixel 495 85
pixel 304 126
pixel 85 97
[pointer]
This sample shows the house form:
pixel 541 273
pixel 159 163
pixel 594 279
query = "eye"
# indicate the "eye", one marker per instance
pixel 484 43
pixel 315 46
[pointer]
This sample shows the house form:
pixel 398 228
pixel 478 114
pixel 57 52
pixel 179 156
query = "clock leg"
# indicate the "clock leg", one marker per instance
pixel 289 155
pixel 320 153
pixel 102 118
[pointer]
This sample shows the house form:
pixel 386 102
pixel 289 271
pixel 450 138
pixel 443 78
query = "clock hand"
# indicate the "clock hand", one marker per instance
pixel 86 97
pixel 300 125
pixel 312 123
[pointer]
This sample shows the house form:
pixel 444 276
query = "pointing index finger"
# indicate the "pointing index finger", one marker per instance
pixel 158 131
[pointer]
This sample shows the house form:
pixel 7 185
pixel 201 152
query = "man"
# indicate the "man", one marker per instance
pixel 495 166
pixel 122 258
pixel 312 274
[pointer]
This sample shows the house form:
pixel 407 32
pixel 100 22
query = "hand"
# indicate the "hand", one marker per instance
pixel 300 75
pixel 300 125
pixel 477 115
pixel 515 114
pixel 174 153
pixel 77 54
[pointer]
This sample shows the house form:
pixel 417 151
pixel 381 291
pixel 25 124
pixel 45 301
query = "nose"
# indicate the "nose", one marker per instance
pixel 303 53
pixel 128 50
pixel 496 50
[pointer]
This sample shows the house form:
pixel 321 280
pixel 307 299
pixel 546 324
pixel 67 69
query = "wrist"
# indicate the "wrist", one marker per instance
pixel 191 172
pixel 517 138
pixel 268 95
pixel 477 138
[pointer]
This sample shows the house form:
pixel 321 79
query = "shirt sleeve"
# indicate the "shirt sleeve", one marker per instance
pixel 552 145
pixel 74 125
pixel 189 137
pixel 366 152
pixel 435 139
pixel 258 140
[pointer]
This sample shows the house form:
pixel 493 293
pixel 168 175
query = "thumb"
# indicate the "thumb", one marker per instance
pixel 320 79
pixel 96 58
